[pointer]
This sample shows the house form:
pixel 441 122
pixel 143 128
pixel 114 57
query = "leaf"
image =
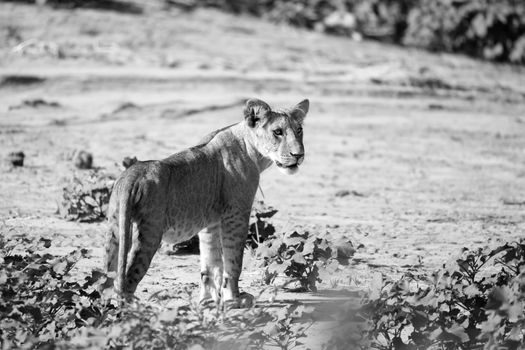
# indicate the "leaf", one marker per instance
pixel 471 291
pixel 266 214
pixel 95 277
pixel 435 334
pixel 515 311
pixel 444 307
pixel 22 336
pixel 300 310
pixel 419 320
pixel 322 244
pixel 458 332
pixel 3 277
pixel 270 329
pixel 516 333
pixel 308 247
pixel 168 315
pixel 60 267
pixel 479 25
pixel 496 298
pixel 269 250
pixel 331 267
pixel 282 313
pixel 259 335
pixel 295 238
pixel 299 258
pixel 398 344
pixel 33 311
pixel 293 241
pixel 90 201
pixel 277 268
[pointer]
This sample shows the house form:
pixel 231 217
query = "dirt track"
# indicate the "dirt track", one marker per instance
pixel 430 149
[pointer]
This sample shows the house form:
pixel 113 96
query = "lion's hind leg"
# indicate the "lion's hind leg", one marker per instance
pixel 111 251
pixel 211 263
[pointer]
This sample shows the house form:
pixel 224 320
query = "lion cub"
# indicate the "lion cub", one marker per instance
pixel 210 186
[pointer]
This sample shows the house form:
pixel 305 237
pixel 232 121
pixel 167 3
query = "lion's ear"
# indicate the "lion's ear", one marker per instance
pixel 254 111
pixel 300 110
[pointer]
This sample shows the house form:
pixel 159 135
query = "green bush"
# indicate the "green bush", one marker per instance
pixel 489 29
pixel 85 197
pixel 44 306
pixel 477 302
pixel 474 302
pixel 301 256
pixel 40 302
pixel 260 227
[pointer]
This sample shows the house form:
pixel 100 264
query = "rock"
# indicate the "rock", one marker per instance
pixel 16 158
pixel 35 103
pixel 83 159
pixel 344 193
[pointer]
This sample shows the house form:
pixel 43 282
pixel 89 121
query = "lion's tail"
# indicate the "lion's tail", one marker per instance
pixel 124 233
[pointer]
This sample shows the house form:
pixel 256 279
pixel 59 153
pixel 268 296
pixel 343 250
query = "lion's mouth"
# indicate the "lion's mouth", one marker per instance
pixel 287 166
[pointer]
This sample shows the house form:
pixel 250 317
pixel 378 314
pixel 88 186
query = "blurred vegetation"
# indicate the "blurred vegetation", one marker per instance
pixel 123 6
pixel 488 29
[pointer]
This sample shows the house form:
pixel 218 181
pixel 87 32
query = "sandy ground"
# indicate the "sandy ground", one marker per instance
pixel 430 148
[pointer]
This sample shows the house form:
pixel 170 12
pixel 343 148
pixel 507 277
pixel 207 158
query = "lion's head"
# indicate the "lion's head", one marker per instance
pixel 279 133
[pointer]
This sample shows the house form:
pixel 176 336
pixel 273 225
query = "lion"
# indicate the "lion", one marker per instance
pixel 207 189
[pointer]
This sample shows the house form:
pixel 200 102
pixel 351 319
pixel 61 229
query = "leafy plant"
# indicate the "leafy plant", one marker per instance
pixel 494 30
pixel 152 326
pixel 85 197
pixel 477 302
pixel 283 332
pixel 260 228
pixel 43 305
pixel 300 256
pixel 489 29
pixel 40 302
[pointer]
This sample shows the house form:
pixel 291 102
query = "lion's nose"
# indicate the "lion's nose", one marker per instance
pixel 297 155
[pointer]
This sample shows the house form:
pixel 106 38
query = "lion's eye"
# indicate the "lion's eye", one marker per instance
pixel 299 130
pixel 278 132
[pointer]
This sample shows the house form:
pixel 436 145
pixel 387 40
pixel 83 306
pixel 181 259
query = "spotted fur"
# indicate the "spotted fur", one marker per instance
pixel 207 189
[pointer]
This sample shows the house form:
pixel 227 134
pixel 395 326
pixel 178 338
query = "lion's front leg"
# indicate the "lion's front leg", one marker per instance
pixel 234 229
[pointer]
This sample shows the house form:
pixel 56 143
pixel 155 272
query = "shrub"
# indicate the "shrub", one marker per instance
pixel 40 302
pixel 494 30
pixel 85 197
pixel 477 302
pixel 260 228
pixel 43 305
pixel 300 256
pixel 489 29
